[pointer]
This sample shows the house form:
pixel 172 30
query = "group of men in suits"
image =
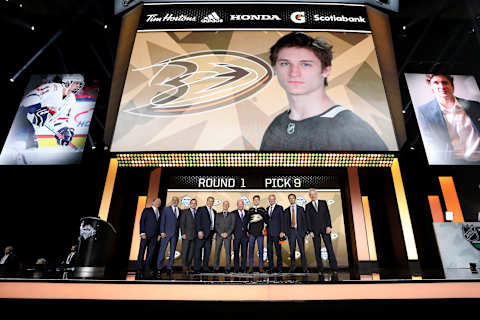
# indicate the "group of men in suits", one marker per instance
pixel 198 228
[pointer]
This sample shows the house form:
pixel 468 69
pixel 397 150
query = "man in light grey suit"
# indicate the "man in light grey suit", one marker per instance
pixel 189 234
pixel 224 225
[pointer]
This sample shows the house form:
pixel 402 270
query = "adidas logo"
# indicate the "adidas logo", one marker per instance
pixel 212 18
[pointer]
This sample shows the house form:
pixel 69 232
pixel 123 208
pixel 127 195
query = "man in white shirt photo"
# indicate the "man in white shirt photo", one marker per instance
pixel 450 126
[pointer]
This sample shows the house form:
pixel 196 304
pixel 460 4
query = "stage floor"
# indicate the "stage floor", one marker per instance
pixel 256 277
pixel 238 287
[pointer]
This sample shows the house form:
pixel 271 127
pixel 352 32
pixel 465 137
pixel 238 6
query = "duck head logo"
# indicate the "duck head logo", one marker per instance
pixel 202 81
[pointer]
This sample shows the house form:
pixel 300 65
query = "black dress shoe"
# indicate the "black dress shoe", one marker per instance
pixel 235 270
pixel 227 271
pixel 169 273
pixel 292 270
pixel 305 271
pixel 334 276
pixel 196 271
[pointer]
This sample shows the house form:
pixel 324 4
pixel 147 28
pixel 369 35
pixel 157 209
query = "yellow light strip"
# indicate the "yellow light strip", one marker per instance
pixel 451 198
pixel 142 200
pixel 404 213
pixel 255 159
pixel 358 218
pixel 108 190
pixel 372 250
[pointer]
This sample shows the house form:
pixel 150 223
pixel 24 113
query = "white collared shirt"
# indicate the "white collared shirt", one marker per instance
pixel 4 258
pixel 157 213
pixel 294 208
pixel 69 258
pixel 175 210
pixel 270 210
pixel 241 213
pixel 212 218
pixel 463 136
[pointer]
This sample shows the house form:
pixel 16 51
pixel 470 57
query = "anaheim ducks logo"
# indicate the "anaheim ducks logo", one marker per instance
pixel 203 81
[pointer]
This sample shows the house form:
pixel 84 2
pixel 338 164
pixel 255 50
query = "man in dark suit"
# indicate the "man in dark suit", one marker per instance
pixel 70 262
pixel 275 231
pixel 9 264
pixel 149 228
pixel 240 237
pixel 296 226
pixel 320 224
pixel 189 234
pixel 71 257
pixel 450 126
pixel 205 223
pixel 255 225
pixel 224 225
pixel 168 234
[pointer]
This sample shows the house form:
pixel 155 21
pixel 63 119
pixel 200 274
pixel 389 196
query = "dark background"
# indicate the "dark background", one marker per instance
pixel 42 205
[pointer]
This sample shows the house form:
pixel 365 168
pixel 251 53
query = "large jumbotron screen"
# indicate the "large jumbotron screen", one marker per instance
pixel 200 79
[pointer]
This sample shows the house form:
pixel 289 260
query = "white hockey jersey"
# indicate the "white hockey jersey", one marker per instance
pixel 50 95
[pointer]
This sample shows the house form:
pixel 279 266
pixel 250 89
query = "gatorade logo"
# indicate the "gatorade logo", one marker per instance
pixel 298 17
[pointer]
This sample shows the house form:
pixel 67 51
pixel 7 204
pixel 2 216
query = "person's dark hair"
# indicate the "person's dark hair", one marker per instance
pixel 428 77
pixel 256 196
pixel 193 199
pixel 321 48
pixel 292 194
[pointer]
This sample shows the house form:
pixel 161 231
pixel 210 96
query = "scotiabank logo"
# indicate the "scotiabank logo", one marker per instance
pixel 298 17
pixel 202 81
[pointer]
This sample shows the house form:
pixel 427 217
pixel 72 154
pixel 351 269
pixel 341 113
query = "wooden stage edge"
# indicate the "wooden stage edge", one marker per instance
pixel 210 292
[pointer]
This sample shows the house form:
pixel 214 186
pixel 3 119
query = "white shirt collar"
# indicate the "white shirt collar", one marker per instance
pixel 451 110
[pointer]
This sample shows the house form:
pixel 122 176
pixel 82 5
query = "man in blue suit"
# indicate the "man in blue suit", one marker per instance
pixel 205 223
pixel 275 231
pixel 168 234
pixel 450 126
pixel 296 226
pixel 240 238
pixel 149 228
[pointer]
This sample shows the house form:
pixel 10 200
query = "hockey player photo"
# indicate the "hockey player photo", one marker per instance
pixel 52 122
pixel 313 121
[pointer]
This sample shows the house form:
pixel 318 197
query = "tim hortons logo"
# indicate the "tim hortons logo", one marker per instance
pixel 201 81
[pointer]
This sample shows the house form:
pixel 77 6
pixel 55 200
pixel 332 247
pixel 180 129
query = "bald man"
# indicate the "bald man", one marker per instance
pixel 149 228
pixel 224 226
pixel 169 224
pixel 320 227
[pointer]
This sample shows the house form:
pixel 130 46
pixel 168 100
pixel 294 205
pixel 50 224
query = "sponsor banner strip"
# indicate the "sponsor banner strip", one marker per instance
pixel 258 15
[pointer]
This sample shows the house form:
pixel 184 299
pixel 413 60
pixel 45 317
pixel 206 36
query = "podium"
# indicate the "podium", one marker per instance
pixel 96 243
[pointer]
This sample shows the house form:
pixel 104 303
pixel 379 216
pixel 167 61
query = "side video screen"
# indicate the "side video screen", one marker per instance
pixel 52 121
